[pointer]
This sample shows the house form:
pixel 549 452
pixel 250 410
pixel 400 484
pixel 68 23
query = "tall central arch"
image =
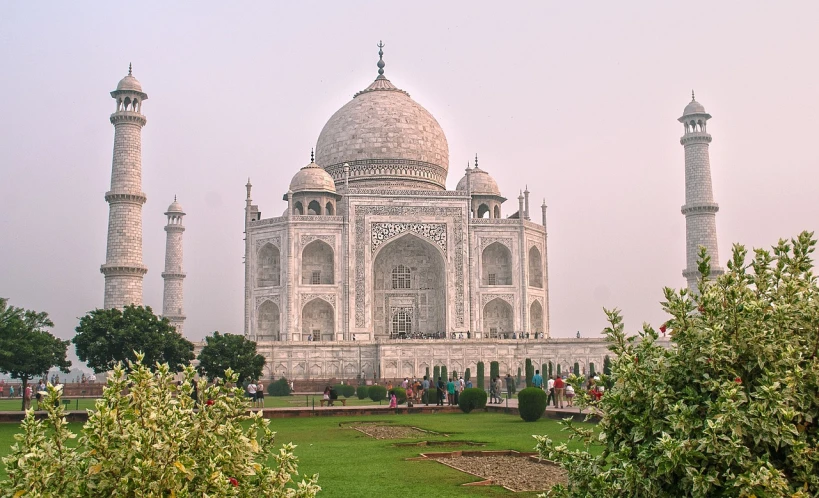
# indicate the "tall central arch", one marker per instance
pixel 409 284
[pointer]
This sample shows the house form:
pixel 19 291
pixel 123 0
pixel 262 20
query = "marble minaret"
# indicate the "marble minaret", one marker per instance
pixel 173 275
pixel 123 268
pixel 700 210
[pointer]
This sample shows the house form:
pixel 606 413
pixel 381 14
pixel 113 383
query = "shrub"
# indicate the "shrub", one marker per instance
pixel 279 388
pixel 433 394
pixel 400 395
pixel 467 375
pixel 138 442
pixel 531 403
pixel 730 409
pixel 362 392
pixel 494 369
pixel 480 375
pixel 377 393
pixel 471 399
pixel 346 390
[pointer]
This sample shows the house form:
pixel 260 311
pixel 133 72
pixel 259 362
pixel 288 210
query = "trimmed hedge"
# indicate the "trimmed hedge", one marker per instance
pixel 494 369
pixel 480 375
pixel 467 375
pixel 433 395
pixel 471 399
pixel 279 388
pixel 532 403
pixel 377 393
pixel 530 372
pixel 362 391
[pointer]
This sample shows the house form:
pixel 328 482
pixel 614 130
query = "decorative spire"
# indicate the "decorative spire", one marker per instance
pixel 311 156
pixel 526 189
pixel 174 197
pixel 381 60
pixel 476 160
pixel 692 95
pixel 129 69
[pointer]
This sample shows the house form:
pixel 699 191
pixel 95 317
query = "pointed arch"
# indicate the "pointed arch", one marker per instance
pixel 268 266
pixel 317 264
pixel 268 322
pixel 318 320
pixel 498 318
pixel 314 208
pixel 535 268
pixel 536 317
pixel 496 262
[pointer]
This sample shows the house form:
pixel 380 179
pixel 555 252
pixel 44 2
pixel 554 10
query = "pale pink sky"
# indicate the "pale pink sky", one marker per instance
pixel 579 101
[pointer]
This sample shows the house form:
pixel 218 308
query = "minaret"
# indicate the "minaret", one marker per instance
pixel 174 277
pixel 700 210
pixel 123 268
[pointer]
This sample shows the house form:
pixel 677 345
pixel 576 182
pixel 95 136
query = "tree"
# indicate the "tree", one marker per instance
pixel 467 374
pixel 106 337
pixel 230 351
pixel 730 409
pixel 607 365
pixel 26 350
pixel 480 375
pixel 146 437
pixel 530 372
pixel 443 373
pixel 494 369
pixel 436 372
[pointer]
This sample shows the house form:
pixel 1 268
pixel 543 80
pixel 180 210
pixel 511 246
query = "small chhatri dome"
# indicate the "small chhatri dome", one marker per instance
pixel 312 178
pixel 129 83
pixel 694 107
pixel 175 207
pixel 480 182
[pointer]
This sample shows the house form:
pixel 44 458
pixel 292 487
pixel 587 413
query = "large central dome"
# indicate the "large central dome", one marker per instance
pixel 388 140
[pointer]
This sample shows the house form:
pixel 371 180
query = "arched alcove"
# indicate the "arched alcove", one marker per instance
pixel 298 208
pixel 409 276
pixel 317 321
pixel 267 322
pixel 535 268
pixel 317 264
pixel 498 318
pixel 483 211
pixel 497 212
pixel 496 265
pixel 268 266
pixel 536 317
pixel 314 208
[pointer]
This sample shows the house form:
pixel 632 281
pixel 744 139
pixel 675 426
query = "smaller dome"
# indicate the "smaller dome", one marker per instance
pixel 175 207
pixel 694 107
pixel 312 178
pixel 480 183
pixel 129 83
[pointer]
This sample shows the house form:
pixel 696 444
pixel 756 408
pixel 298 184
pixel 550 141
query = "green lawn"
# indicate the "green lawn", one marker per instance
pixel 352 464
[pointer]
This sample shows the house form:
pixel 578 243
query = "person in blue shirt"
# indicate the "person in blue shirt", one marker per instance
pixel 537 380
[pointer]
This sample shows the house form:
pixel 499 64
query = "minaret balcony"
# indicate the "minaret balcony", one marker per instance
pixel 700 208
pixel 173 274
pixel 128 117
pixel 123 270
pixel 696 137
pixel 125 197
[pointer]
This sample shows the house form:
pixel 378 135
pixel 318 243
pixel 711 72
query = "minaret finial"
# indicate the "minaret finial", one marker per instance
pixel 476 160
pixel 174 197
pixel 129 69
pixel 311 156
pixel 380 59
pixel 692 95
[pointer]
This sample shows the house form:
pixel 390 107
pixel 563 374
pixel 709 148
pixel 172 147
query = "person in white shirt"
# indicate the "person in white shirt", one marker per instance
pixel 550 388
pixel 251 393
pixel 569 394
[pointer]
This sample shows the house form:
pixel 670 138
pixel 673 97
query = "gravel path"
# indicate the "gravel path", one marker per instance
pixel 515 473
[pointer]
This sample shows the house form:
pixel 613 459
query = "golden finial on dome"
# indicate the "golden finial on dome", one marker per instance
pixel 380 59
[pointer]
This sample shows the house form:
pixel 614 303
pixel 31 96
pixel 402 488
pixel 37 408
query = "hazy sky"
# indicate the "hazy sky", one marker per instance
pixel 579 101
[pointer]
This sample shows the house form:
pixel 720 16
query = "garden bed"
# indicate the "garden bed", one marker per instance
pixel 512 470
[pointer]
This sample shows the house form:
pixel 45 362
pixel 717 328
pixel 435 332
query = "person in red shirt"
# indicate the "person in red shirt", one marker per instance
pixel 559 386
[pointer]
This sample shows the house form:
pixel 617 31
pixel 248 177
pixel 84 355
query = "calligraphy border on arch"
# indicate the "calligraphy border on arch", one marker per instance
pixel 273 298
pixel 509 298
pixel 506 241
pixel 456 214
pixel 539 299
pixel 275 240
pixel 384 231
pixel 306 239
pixel 306 298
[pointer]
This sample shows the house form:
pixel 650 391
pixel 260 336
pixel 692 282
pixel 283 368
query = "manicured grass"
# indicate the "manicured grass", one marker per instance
pixel 350 463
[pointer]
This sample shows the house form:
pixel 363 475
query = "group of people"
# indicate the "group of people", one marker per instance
pixel 255 391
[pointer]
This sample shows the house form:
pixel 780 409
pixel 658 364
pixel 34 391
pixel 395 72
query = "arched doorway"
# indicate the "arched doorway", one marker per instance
pixel 497 265
pixel 409 284
pixel 535 268
pixel 317 264
pixel 498 319
pixel 536 317
pixel 267 322
pixel 317 321
pixel 268 266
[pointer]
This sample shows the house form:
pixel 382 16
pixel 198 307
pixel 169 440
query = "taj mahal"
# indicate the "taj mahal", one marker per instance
pixel 375 268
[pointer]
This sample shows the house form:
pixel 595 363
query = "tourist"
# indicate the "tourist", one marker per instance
pixel 326 396
pixel 461 384
pixel 41 390
pixel 393 400
pixel 498 389
pixel 469 384
pixel 510 385
pixel 2 387
pixel 251 392
pixel 440 391
pixel 425 391
pixel 550 386
pixel 569 394
pixel 195 394
pixel 11 391
pixel 27 398
pixel 410 395
pixel 537 380
pixel 450 391
pixel 405 383
pixel 259 394
pixel 559 385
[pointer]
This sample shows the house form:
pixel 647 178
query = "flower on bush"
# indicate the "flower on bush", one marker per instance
pixel 730 409
pixel 145 438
